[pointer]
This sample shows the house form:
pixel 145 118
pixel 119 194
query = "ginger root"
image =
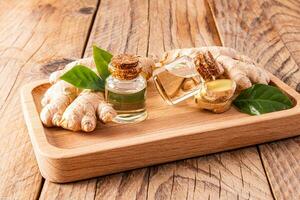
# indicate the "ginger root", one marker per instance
pixel 81 114
pixel 147 66
pixel 216 96
pixel 55 101
pixel 71 108
pixel 105 112
pixel 219 90
pixel 236 66
pixel 243 73
pixel 216 107
pixel 207 66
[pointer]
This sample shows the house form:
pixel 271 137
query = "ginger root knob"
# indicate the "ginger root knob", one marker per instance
pixel 147 65
pixel 213 106
pixel 216 96
pixel 219 90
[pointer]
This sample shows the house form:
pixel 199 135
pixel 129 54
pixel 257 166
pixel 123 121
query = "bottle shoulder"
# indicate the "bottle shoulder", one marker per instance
pixel 126 86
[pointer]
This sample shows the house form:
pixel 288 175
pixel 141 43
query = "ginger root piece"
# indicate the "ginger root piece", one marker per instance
pixel 216 96
pixel 105 112
pixel 81 113
pixel 216 51
pixel 147 66
pixel 236 66
pixel 243 73
pixel 207 66
pixel 55 101
pixel 215 107
pixel 61 100
pixel 219 90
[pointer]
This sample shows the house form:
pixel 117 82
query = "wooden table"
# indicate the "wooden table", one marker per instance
pixel 38 37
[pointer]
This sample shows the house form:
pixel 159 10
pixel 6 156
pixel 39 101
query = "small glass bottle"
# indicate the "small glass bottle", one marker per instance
pixel 125 89
pixel 184 77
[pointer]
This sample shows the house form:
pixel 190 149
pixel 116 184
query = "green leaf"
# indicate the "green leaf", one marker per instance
pixel 83 77
pixel 101 59
pixel 261 99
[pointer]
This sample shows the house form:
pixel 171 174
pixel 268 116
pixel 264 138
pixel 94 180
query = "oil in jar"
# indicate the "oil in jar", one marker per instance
pixel 126 89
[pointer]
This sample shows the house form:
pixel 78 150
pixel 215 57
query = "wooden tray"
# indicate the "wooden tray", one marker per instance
pixel 170 133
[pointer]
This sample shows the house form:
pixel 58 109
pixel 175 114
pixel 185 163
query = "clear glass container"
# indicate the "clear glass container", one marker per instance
pixel 178 80
pixel 128 98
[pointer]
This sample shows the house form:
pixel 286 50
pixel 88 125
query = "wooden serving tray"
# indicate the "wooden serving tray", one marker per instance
pixel 170 133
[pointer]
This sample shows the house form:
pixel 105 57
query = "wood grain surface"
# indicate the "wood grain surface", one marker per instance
pixel 31 37
pixel 269 32
pixel 33 44
pixel 285 18
pixel 282 159
pixel 200 178
pixel 123 29
pixel 230 175
pixel 187 24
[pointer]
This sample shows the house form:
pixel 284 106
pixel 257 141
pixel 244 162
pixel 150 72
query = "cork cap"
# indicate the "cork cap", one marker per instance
pixel 207 66
pixel 124 66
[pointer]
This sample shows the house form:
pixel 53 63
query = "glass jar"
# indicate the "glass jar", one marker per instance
pixel 125 89
pixel 184 77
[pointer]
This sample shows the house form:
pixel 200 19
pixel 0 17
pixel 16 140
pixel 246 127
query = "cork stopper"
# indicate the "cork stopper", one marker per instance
pixel 124 66
pixel 206 66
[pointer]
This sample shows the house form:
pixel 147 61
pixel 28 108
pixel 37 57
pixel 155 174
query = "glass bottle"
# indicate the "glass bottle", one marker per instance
pixel 184 77
pixel 125 89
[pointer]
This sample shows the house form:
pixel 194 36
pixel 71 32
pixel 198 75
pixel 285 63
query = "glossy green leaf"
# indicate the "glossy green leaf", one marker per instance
pixel 261 99
pixel 101 59
pixel 83 77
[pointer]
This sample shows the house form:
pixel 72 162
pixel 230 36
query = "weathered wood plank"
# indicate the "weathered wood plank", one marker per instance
pixel 172 29
pixel 31 35
pixel 237 174
pixel 282 159
pixel 267 31
pixel 244 26
pixel 77 191
pixel 124 28
pixel 127 185
pixel 231 175
pixel 285 18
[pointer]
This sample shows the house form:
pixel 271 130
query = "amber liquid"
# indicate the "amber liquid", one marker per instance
pixel 130 107
pixel 175 88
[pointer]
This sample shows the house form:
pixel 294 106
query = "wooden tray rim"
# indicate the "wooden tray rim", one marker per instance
pixel 38 136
